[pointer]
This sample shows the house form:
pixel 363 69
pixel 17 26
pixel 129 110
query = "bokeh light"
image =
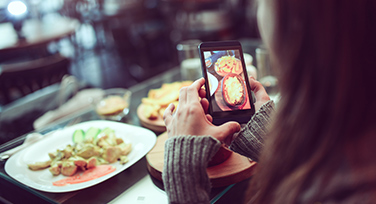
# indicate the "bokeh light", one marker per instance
pixel 17 8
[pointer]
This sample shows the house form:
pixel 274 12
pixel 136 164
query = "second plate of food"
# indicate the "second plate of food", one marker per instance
pixel 233 90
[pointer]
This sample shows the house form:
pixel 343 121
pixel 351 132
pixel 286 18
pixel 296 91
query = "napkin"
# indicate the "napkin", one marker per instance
pixel 81 101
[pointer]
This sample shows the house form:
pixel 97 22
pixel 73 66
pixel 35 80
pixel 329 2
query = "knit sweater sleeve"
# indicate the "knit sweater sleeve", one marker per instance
pixel 186 158
pixel 249 140
pixel 184 173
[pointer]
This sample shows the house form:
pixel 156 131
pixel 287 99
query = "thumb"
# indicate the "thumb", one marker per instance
pixel 227 130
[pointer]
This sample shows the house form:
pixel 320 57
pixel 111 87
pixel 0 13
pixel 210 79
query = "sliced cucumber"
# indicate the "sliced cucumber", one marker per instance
pixel 78 136
pixel 106 131
pixel 92 133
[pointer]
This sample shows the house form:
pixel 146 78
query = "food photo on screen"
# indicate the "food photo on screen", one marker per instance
pixel 226 80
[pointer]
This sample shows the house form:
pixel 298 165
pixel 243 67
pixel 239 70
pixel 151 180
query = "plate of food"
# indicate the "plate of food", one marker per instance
pixel 208 62
pixel 151 110
pixel 228 64
pixel 233 90
pixel 80 156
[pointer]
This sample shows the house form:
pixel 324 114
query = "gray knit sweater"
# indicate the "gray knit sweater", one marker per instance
pixel 186 158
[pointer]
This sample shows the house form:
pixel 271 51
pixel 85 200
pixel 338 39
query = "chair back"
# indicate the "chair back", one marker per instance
pixel 22 78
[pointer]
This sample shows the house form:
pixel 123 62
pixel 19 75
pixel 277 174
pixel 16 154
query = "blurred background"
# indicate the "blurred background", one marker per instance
pixel 103 44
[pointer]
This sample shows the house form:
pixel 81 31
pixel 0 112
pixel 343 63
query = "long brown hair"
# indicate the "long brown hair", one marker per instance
pixel 326 53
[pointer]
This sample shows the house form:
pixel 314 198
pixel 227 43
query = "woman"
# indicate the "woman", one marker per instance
pixel 321 143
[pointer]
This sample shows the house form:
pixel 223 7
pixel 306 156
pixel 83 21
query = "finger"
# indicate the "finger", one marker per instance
pixel 202 93
pixel 167 115
pixel 205 105
pixel 210 118
pixel 255 85
pixel 228 129
pixel 258 89
pixel 192 90
pixel 183 95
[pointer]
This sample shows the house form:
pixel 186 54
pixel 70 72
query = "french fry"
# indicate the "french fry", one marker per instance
pixel 158 99
pixel 151 111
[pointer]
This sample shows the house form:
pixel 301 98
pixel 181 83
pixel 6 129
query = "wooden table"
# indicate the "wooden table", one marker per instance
pixel 232 170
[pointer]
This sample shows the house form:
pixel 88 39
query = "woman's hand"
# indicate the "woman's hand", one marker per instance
pixel 190 117
pixel 260 93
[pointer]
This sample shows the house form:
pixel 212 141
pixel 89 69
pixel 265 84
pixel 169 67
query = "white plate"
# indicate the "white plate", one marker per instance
pixel 143 140
pixel 213 83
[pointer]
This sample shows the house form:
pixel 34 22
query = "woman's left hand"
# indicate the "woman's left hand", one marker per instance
pixel 190 117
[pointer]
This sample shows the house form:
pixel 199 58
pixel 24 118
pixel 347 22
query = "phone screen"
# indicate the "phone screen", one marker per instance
pixel 226 80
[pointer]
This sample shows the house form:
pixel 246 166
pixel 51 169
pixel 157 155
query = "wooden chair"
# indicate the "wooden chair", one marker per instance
pixel 22 78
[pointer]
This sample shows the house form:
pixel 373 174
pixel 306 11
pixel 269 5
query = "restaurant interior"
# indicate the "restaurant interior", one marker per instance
pixel 51 50
pixel 104 44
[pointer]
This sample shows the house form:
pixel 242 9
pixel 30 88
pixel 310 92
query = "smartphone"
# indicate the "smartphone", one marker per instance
pixel 226 82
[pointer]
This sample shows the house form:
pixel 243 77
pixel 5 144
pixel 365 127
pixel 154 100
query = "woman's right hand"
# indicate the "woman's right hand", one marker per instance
pixel 260 93
pixel 190 117
pixel 261 98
